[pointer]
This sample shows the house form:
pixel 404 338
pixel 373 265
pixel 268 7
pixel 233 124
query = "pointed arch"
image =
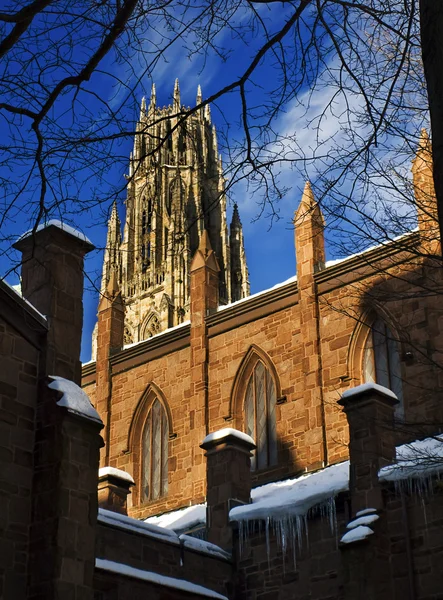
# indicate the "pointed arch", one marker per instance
pixel 255 392
pixel 150 326
pixel 149 434
pixel 374 353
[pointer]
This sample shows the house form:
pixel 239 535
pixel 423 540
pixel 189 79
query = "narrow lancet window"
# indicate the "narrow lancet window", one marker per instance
pixel 260 416
pixel 155 454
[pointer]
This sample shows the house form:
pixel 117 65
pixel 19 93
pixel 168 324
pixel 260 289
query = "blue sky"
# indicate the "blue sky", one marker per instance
pixel 320 120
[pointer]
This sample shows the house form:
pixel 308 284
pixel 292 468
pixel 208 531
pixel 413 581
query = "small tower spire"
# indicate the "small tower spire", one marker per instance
pixel 112 260
pixel 309 234
pixel 143 108
pixel 199 98
pixel 424 190
pixel 153 101
pixel 239 269
pixel 176 103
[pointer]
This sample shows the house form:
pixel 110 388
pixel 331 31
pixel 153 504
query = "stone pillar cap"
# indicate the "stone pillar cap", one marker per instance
pixel 228 434
pixel 106 472
pixel 54 226
pixel 365 390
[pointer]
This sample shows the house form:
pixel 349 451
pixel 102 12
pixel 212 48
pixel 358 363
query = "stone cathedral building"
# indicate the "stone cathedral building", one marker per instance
pixel 175 192
pixel 286 445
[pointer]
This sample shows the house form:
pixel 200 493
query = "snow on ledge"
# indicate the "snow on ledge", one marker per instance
pixel 56 223
pixel 182 519
pixel 417 460
pixel 203 546
pixel 365 387
pixel 356 535
pixel 155 578
pixel 74 398
pixel 159 334
pixel 262 293
pixel 362 520
pixel 113 472
pixel 108 517
pixel 228 432
pixel 294 497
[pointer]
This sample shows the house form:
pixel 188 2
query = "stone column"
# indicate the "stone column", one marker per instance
pixel 110 334
pixel 52 281
pixel 204 300
pixel 64 501
pixel 114 486
pixel 369 409
pixel 310 254
pixel 228 475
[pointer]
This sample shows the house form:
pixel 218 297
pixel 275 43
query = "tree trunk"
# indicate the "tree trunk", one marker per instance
pixel 431 25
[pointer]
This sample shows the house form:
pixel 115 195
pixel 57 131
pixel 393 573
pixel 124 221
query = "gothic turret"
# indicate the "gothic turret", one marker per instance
pixel 175 191
pixel 112 259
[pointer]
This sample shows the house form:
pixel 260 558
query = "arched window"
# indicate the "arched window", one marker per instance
pixel 381 361
pixel 260 421
pixel 155 454
pixel 150 327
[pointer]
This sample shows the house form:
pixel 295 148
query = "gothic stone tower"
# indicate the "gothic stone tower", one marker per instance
pixel 175 192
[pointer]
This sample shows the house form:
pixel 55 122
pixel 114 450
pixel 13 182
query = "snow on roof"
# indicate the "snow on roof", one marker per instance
pixel 193 543
pixel 227 432
pixel 113 472
pixel 336 261
pixel 17 290
pixel 417 460
pixel 126 346
pixel 294 497
pixel 123 522
pixel 360 389
pixel 274 287
pixel 181 520
pixel 356 535
pixel 74 398
pixel 56 223
pixel 155 578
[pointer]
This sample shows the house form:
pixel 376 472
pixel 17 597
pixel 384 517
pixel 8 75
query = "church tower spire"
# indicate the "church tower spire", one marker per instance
pixel 175 192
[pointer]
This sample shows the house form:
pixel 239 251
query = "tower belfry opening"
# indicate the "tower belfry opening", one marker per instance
pixel 175 191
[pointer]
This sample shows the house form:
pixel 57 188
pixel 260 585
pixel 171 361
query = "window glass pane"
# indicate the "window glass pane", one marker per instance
pixel 146 461
pixel 395 373
pixel 368 361
pixel 156 450
pixel 165 438
pixel 381 353
pixel 250 415
pixel 261 415
pixel 272 425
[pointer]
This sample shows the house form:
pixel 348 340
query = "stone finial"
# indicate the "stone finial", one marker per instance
pixel 235 222
pixel 308 206
pixel 207 113
pixel 176 96
pixel 205 255
pixel 199 98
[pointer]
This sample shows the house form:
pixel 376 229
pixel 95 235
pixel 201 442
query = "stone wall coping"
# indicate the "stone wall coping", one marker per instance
pixel 115 473
pixel 361 392
pixel 228 434
pixel 17 298
pixel 157 579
